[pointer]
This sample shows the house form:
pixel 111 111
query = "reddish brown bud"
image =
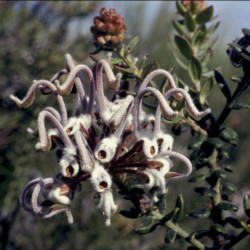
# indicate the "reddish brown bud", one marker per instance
pixel 108 28
pixel 98 23
pixel 103 10
pixel 107 38
pixel 101 40
pixel 201 4
pixel 114 39
pixel 107 18
pixel 117 19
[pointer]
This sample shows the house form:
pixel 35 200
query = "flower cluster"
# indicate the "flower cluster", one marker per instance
pixel 108 28
pixel 201 4
pixel 106 141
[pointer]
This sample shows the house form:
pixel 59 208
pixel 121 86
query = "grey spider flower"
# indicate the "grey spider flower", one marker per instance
pixel 108 142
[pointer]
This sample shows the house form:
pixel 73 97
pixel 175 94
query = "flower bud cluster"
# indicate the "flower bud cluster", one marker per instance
pixel 201 4
pixel 106 141
pixel 108 28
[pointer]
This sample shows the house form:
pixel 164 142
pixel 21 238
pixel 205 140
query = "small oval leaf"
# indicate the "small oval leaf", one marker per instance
pixel 178 27
pixel 203 213
pixel 170 236
pixel 189 22
pixel 227 206
pixel 246 204
pixel 131 45
pixel 197 178
pixel 181 8
pixel 238 106
pixel 215 142
pixel 206 89
pixel 146 229
pixel 218 228
pixel 229 187
pixel 229 135
pixel 234 222
pixel 205 15
pixel 195 69
pixel 223 84
pixel 212 28
pixel 228 168
pixel 219 174
pixel 184 46
pixel 179 204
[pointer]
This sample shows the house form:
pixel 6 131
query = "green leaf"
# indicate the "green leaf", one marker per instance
pixel 236 79
pixel 146 229
pixel 131 45
pixel 226 197
pixel 179 204
pixel 150 67
pixel 218 228
pixel 206 89
pixel 201 233
pixel 178 27
pixel 238 106
pixel 224 154
pixel 142 62
pixel 206 58
pixel 223 84
pixel 184 46
pixel 246 204
pixel 189 22
pixel 170 236
pixel 116 60
pixel 215 142
pixel 205 15
pixel 212 28
pixel 227 206
pixel 168 216
pixel 195 69
pixel 229 135
pixel 176 120
pixel 240 50
pixel 229 187
pixel 181 8
pixel 125 70
pixel 228 168
pixel 234 222
pixel 220 174
pixel 208 74
pixel 194 155
pixel 179 61
pixel 199 36
pixel 197 142
pixel 205 191
pixel 197 178
pixel 203 213
pixel 193 7
pixel 162 203
pixel 245 226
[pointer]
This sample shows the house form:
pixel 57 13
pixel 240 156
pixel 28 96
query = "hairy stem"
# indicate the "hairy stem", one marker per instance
pixel 178 230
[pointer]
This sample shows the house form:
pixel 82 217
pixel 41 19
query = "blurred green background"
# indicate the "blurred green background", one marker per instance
pixel 34 36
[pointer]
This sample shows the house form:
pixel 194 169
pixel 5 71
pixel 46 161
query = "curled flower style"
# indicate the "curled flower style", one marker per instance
pixel 30 96
pixel 106 142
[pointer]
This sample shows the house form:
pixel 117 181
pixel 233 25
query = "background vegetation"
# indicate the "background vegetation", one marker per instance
pixel 34 36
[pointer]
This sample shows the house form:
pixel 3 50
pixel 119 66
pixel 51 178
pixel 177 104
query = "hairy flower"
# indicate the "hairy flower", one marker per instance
pixel 106 141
